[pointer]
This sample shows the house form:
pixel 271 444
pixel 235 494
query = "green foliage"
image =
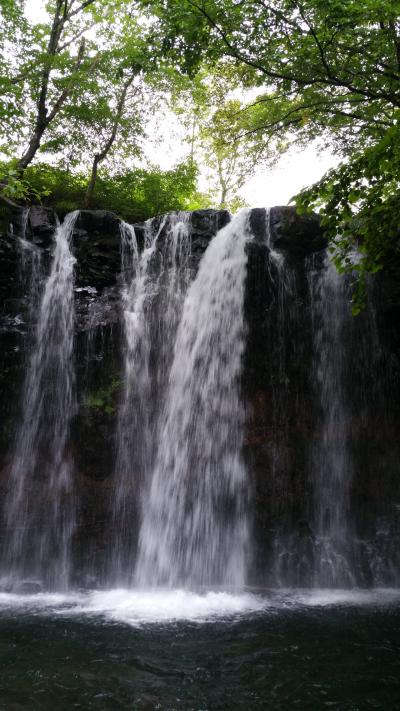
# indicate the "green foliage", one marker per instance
pixel 104 399
pixel 319 64
pixel 139 194
pixel 328 70
pixel 17 187
pixel 321 69
pixel 81 85
pixel 134 195
pixel 64 190
pixel 360 209
pixel 218 135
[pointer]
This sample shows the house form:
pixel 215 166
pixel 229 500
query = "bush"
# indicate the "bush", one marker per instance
pixel 134 195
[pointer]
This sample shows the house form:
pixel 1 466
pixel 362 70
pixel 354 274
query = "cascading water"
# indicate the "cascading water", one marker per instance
pixel 173 282
pixel 31 272
pixel 315 386
pixel 194 529
pixel 39 507
pixel 331 461
pixel 287 344
pixel 280 323
pixel 153 288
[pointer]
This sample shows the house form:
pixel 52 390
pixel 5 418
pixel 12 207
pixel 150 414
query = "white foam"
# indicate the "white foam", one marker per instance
pixel 355 598
pixel 140 607
pixel 36 601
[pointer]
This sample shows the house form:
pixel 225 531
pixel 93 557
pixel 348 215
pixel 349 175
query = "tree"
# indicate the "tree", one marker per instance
pixel 323 65
pixel 216 124
pixel 13 27
pixel 105 149
pixel 58 60
pixel 81 78
pixel 229 161
pixel 324 69
pixel 61 62
pixel 360 209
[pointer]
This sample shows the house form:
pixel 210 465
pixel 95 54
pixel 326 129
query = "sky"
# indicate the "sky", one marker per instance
pixel 294 171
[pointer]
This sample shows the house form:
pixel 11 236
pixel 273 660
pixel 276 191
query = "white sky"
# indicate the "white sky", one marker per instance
pixel 295 170
pixel 276 186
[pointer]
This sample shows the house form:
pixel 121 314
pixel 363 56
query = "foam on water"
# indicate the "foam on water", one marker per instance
pixel 138 608
pixel 353 598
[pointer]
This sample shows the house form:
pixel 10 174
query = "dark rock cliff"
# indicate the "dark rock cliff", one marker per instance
pixel 277 378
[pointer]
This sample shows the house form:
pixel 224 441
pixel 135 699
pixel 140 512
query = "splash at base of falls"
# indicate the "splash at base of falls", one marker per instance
pixel 140 608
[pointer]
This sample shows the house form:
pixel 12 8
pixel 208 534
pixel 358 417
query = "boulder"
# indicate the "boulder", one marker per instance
pixel 36 224
pixel 28 587
pixel 97 248
pixel 205 225
pixel 258 224
pixel 41 225
pixel 297 235
pixel 209 221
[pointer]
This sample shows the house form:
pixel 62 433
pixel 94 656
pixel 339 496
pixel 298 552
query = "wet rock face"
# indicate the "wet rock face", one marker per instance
pixel 277 383
pixel 204 224
pixel 42 222
pixel 259 224
pixel 294 234
pixel 96 247
pixel 208 222
pixel 36 224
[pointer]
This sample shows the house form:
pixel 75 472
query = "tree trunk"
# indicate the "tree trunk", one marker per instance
pixel 34 145
pixel 222 200
pixel 92 182
pixel 45 114
pixel 99 157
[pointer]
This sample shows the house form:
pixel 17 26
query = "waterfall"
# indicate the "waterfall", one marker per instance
pixel 39 507
pixel 233 350
pixel 283 315
pixel 31 272
pixel 289 348
pixel 152 292
pixel 331 460
pixel 194 529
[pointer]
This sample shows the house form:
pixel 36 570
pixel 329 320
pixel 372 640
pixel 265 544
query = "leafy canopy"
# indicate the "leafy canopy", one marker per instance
pixel 135 194
pixel 329 70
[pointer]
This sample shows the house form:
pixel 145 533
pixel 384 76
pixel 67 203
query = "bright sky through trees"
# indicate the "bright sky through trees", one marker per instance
pixel 231 99
pixel 293 172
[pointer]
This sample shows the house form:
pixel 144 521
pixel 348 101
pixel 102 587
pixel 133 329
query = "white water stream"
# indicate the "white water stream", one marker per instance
pixel 39 508
pixel 194 525
pixel 153 288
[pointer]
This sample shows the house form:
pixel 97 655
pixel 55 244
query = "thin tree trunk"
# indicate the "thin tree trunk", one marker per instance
pixel 41 116
pixel 34 145
pixel 45 115
pixel 91 184
pixel 99 157
pixel 223 185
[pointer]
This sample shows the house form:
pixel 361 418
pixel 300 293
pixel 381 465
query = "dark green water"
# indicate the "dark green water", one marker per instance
pixel 293 654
